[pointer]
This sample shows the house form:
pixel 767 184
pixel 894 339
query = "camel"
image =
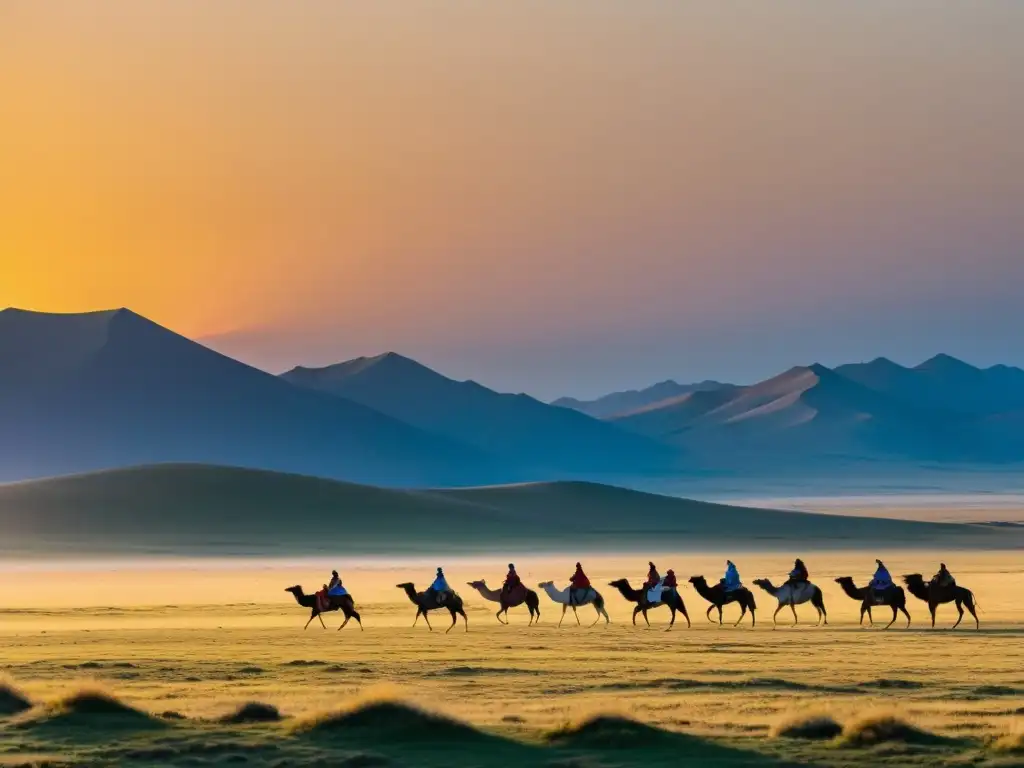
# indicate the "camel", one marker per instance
pixel 936 596
pixel 639 596
pixel 792 595
pixel 428 602
pixel 345 604
pixel 895 598
pixel 561 596
pixel 517 596
pixel 718 597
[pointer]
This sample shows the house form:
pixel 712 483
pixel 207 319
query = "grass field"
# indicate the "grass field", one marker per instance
pixel 185 645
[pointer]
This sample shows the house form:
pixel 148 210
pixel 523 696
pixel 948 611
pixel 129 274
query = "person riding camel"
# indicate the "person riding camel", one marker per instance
pixel 512 580
pixel 653 577
pixel 731 581
pixel 440 587
pixel 943 579
pixel 881 581
pixel 334 588
pixel 799 573
pixel 670 581
pixel 578 585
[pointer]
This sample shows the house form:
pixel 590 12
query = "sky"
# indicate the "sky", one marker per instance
pixel 558 198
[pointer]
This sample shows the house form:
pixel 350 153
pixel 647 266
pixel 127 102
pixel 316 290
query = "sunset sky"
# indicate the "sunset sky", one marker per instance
pixel 556 197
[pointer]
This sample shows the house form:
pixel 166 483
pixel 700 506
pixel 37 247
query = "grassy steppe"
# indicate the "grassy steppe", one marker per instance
pixel 180 677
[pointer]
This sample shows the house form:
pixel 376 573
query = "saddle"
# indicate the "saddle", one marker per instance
pixel 877 595
pixel 323 601
pixel 579 595
pixel 654 594
pixel 518 592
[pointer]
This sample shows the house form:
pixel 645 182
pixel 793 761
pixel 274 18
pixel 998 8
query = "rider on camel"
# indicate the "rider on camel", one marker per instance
pixel 732 577
pixel 670 580
pixel 440 587
pixel 653 577
pixel 943 579
pixel 334 588
pixel 578 582
pixel 881 581
pixel 799 573
pixel 512 580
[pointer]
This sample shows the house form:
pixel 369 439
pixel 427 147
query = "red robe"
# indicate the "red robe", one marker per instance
pixel 512 580
pixel 579 580
pixel 653 577
pixel 670 580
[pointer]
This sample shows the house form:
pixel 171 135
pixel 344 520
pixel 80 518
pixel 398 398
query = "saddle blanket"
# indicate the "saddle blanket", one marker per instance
pixel 654 593
pixel 580 596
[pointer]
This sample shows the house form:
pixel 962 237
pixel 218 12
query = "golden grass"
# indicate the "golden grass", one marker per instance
pixel 1010 743
pixel 809 726
pixel 253 712
pixel 881 727
pixel 12 700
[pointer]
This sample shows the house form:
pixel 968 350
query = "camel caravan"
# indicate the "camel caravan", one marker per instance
pixel 658 591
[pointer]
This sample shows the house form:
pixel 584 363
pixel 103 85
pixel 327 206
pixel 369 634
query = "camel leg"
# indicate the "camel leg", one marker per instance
pixel 417 617
pixel 960 617
pixel 673 621
pixel 792 607
pixel 893 617
pixel 456 613
pixel 427 619
pixel 708 614
pixel 686 616
pixel 970 607
pixel 905 613
pixel 497 616
pixel 598 617
pixel 359 620
pixel 635 612
pixel 753 617
pixel 321 617
pixel 719 615
pixel 743 612
pixel 563 615
pixel 932 607
pixel 311 617
pixel 574 613
pixel 344 623
pixel 774 622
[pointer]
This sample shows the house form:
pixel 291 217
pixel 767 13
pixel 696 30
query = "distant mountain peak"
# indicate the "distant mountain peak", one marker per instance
pixel 944 362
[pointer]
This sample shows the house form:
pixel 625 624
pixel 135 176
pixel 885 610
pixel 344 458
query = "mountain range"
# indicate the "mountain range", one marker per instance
pixel 93 391
pixel 943 410
pixel 98 390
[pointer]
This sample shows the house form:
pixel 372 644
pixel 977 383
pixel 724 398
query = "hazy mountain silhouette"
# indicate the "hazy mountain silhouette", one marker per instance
pixel 943 383
pixel 107 389
pixel 517 428
pixel 876 411
pixel 211 510
pixel 623 403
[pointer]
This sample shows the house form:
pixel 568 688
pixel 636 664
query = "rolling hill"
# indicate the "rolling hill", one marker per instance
pixel 216 510
pixel 106 389
pixel 516 428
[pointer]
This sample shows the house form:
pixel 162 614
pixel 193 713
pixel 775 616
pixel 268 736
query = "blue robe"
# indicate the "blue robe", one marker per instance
pixel 882 579
pixel 440 585
pixel 732 578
